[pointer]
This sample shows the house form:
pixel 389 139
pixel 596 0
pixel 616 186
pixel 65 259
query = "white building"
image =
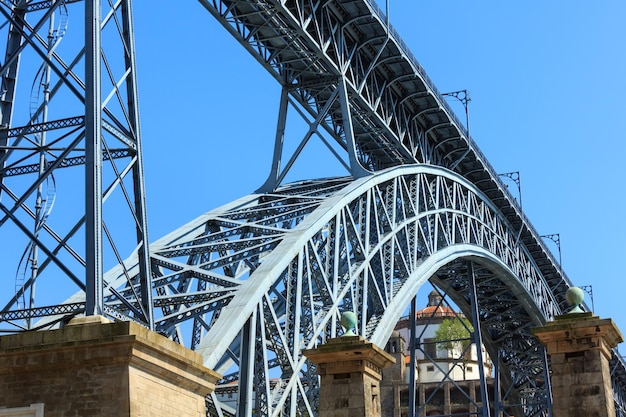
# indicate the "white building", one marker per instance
pixel 442 388
pixel 432 360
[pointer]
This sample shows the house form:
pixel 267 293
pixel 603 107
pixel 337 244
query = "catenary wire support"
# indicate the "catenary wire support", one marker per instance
pixel 556 238
pixel 589 290
pixel 387 16
pixel 463 97
pixel 515 177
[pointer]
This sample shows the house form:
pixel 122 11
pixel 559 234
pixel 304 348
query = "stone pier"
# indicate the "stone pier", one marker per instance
pixel 579 346
pixel 351 369
pixel 97 368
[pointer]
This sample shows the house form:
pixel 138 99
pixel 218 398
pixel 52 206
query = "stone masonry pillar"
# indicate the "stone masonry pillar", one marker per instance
pixel 394 377
pixel 351 369
pixel 97 368
pixel 579 346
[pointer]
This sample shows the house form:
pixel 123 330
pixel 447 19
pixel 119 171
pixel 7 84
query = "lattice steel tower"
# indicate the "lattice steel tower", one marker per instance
pixel 72 197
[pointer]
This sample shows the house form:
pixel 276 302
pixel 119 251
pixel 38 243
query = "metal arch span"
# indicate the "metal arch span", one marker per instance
pixel 478 232
pixel 344 64
pixel 252 284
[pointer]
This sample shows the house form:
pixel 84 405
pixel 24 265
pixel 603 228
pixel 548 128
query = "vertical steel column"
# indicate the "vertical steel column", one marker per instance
pixel 272 180
pixel 93 157
pixel 412 381
pixel 145 275
pixel 497 395
pixel 478 339
pixel 548 385
pixel 356 169
pixel 9 73
pixel 246 367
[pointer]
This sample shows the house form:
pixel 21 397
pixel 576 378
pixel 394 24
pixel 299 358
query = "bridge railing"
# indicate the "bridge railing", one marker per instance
pixel 471 143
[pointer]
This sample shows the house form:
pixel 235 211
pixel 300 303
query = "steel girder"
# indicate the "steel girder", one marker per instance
pixel 69 139
pixel 397 114
pixel 253 283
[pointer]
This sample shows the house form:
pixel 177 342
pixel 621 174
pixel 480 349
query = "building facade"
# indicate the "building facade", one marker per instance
pixel 447 371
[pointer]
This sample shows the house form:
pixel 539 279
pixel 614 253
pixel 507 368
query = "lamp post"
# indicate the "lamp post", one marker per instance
pixel 464 97
pixel 516 178
pixel 556 238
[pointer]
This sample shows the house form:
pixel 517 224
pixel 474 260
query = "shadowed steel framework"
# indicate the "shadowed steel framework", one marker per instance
pixel 253 283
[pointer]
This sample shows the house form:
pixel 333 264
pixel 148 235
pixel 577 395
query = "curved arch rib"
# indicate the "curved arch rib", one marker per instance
pixel 252 284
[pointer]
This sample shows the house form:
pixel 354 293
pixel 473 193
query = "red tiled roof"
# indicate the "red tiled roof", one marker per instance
pixel 435 311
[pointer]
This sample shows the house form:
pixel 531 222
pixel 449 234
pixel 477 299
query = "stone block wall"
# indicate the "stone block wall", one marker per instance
pixel 98 369
pixel 581 384
pixel 579 346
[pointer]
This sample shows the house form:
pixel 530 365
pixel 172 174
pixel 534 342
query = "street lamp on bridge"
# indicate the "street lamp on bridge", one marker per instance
pixel 589 290
pixel 464 97
pixel 556 238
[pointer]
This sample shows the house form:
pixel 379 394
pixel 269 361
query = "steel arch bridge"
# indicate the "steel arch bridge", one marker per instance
pixel 253 283
pixel 268 275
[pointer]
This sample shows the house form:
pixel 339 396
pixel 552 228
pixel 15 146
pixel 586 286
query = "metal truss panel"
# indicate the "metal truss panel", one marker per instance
pixel 296 258
pixel 398 116
pixel 71 169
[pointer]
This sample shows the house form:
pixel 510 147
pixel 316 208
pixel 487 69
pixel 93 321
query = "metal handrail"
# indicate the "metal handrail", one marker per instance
pixel 463 130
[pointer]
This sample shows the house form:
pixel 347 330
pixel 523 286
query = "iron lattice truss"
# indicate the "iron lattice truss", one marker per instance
pixel 252 284
pixel 71 169
pixel 343 63
pixel 321 51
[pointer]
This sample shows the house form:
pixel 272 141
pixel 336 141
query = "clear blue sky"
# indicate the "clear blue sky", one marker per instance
pixel 548 87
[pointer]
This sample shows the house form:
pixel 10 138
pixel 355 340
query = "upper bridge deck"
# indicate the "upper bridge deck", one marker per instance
pixel 398 115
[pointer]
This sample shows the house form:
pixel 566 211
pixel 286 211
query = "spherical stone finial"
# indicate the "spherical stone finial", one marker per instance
pixel 574 297
pixel 348 321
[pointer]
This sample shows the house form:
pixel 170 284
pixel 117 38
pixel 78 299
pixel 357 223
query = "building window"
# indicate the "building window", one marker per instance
pixel 470 369
pixel 35 410
pixel 430 368
pixel 430 348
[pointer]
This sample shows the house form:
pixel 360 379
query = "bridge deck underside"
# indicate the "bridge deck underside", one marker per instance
pixel 398 115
